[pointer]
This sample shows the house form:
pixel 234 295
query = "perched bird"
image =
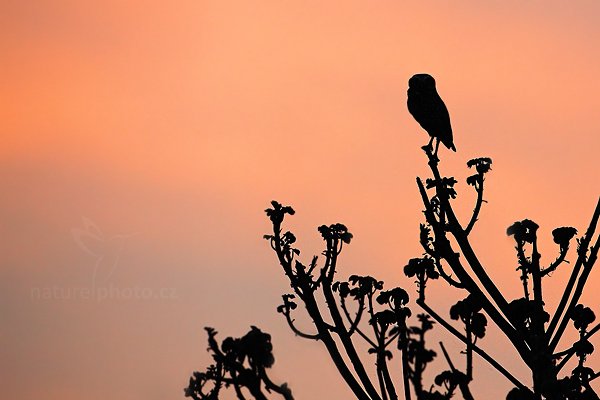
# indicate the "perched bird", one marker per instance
pixel 428 109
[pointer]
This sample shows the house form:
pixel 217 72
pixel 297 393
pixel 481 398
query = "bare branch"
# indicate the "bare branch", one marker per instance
pixel 477 208
pixel 559 260
pixel 582 252
pixel 463 242
pixel 354 323
pixel 298 332
pixel 341 329
pixel 463 386
pixel 587 268
pixel 448 278
pixel 476 349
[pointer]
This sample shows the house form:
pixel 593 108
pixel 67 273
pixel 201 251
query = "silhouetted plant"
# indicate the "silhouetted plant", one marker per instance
pixel 240 363
pixel 359 308
pixel 448 254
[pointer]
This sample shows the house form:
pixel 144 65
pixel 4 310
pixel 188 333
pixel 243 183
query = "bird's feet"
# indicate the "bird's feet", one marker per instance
pixel 428 149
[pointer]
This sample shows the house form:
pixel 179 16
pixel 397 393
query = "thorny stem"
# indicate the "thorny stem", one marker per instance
pixel 477 209
pixel 290 322
pixel 557 262
pixel 524 266
pixel 538 324
pixel 449 278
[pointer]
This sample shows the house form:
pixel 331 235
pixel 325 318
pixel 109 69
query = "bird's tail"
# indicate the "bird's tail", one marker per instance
pixel 448 142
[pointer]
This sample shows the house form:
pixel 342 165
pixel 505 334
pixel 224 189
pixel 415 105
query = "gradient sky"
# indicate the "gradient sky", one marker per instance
pixel 143 141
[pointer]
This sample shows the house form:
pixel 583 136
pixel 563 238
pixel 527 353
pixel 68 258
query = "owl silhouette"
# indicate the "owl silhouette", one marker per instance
pixel 428 109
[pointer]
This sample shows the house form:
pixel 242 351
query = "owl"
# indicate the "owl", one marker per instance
pixel 428 109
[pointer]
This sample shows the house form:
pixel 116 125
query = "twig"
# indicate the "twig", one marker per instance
pixel 354 327
pixel 389 384
pixel 447 357
pixel 559 260
pixel 571 351
pixel 287 395
pixel 455 228
pixel 449 278
pixel 322 327
pixel 290 322
pixel 381 383
pixel 339 323
pixel 587 268
pixel 583 247
pixel 464 386
pixel 476 349
pixel 477 205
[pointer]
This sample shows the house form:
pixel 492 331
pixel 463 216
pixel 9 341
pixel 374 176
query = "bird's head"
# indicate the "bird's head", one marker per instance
pixel 421 82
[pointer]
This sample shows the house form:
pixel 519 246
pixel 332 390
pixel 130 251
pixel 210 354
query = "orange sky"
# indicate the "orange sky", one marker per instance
pixel 169 128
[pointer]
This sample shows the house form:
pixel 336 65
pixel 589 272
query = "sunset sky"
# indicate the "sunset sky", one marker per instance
pixel 142 140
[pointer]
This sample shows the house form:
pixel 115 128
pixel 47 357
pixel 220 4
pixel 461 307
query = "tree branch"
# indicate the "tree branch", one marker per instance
pixel 444 248
pixel 463 386
pixel 341 329
pixel 559 260
pixel 582 251
pixel 280 389
pixel 461 238
pixel 567 354
pixel 354 324
pixel 587 268
pixel 290 322
pixel 456 230
pixel 476 349
pixel 322 327
pixel 477 208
